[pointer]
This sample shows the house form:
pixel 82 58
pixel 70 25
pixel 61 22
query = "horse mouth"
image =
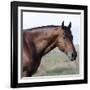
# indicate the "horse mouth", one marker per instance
pixel 73 59
pixel 72 56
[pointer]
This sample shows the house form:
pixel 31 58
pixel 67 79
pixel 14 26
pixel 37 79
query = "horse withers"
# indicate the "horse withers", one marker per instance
pixel 39 41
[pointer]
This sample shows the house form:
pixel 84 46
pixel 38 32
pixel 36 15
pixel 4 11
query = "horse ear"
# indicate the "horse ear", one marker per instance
pixel 69 26
pixel 62 24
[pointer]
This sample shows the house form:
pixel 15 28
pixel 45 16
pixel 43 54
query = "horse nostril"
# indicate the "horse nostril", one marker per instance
pixel 74 55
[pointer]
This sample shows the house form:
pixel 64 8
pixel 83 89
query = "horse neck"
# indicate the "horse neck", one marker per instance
pixel 45 41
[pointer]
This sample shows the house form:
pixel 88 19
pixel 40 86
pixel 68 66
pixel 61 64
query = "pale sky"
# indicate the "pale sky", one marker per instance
pixel 33 19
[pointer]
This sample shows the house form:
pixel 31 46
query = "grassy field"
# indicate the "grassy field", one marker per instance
pixel 57 63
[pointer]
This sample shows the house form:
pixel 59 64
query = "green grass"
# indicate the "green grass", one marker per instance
pixel 62 71
pixel 55 57
pixel 57 63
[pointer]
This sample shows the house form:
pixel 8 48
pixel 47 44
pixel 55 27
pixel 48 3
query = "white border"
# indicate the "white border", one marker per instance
pixel 51 78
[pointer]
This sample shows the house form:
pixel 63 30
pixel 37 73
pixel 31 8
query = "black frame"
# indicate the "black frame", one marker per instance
pixel 14 44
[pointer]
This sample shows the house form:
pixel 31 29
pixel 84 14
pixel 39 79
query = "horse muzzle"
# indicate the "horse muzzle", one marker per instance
pixel 72 55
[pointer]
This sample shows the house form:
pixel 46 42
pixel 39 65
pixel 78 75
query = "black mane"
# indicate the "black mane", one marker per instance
pixel 48 26
pixel 41 27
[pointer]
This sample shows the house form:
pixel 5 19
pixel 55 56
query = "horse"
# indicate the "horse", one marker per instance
pixel 39 41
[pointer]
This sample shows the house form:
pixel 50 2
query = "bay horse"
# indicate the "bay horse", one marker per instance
pixel 40 40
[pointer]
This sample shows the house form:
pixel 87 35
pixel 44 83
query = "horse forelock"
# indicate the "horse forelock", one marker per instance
pixel 67 31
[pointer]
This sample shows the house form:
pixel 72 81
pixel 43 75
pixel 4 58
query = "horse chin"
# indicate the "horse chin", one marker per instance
pixel 71 58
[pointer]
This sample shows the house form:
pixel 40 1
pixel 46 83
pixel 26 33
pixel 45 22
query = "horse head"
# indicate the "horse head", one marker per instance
pixel 65 41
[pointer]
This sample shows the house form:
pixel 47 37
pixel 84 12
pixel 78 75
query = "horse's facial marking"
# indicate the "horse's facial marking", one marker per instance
pixel 65 41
